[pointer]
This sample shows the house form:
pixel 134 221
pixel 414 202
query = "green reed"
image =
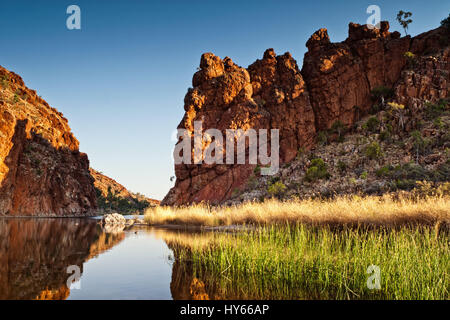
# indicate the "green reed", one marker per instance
pixel 304 262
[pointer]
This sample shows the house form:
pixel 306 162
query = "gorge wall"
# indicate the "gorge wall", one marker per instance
pixel 334 84
pixel 42 171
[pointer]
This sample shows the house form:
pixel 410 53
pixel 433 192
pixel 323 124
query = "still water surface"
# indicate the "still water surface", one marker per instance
pixel 35 254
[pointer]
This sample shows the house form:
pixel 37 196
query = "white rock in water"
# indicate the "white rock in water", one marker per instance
pixel 113 219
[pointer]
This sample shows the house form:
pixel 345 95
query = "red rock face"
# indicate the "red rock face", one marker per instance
pixel 271 94
pixel 335 84
pixel 340 76
pixel 427 80
pixel 41 170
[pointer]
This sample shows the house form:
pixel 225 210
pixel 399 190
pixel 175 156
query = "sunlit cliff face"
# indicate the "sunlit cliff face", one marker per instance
pixel 42 171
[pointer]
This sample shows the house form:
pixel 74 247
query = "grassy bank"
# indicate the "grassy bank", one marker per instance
pixel 387 210
pixel 304 262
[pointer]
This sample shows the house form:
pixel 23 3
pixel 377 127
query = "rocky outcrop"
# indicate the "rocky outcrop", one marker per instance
pixel 42 171
pixel 340 76
pixel 270 94
pixel 426 80
pixel 334 84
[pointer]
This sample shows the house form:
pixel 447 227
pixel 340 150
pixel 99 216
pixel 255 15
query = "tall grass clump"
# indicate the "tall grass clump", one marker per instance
pixel 386 210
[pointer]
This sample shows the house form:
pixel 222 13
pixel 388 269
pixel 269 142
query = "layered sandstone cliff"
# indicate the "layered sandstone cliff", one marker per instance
pixel 42 171
pixel 334 85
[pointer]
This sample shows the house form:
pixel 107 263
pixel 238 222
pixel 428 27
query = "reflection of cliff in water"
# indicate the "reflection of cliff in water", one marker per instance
pixel 35 254
pixel 185 284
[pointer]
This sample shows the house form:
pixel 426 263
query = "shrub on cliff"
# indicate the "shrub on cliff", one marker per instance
pixel 317 170
pixel 373 151
pixel 277 189
pixel 410 59
pixel 5 81
pixel 398 111
pixel 420 144
pixel 435 110
pixel 372 124
pixel 322 138
pixel 342 166
pixel 339 129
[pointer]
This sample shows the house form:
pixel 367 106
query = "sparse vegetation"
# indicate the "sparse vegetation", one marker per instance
pixel 420 144
pixel 342 166
pixel 386 133
pixel 276 189
pixel 373 151
pixel 410 59
pixel 252 182
pixel 372 124
pixel 15 98
pixel 4 81
pixel 317 170
pixel 363 175
pixel 433 111
pixel 322 138
pixel 398 111
pixel 339 129
pixel 383 171
pixel 116 203
pixel 300 153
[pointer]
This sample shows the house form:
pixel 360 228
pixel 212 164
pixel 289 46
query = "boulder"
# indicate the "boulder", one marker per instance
pixel 113 219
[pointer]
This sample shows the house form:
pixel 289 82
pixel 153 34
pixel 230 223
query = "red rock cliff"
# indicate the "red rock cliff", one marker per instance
pixel 334 84
pixel 270 94
pixel 42 171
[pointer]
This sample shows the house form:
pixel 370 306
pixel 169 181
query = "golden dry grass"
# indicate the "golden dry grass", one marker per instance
pixel 370 210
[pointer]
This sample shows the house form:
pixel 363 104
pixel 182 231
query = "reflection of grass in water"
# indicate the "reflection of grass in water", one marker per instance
pixel 385 210
pixel 306 262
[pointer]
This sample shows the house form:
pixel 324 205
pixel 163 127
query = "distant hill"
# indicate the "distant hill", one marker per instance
pixel 112 196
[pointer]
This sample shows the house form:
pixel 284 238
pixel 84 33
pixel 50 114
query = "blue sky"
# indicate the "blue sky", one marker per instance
pixel 121 79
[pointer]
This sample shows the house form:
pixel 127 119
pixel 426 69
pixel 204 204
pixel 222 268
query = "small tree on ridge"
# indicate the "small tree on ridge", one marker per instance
pixel 402 18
